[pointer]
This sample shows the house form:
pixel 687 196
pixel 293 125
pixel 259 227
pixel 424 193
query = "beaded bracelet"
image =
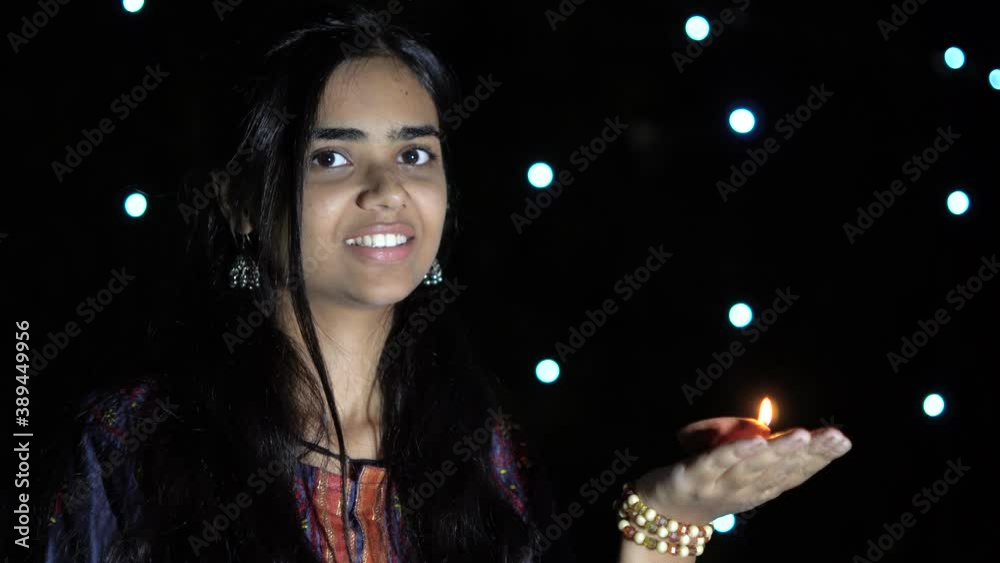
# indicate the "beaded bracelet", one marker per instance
pixel 658 532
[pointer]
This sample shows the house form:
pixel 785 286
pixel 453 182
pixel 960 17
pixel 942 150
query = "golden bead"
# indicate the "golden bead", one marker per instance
pixel 684 551
pixel 672 525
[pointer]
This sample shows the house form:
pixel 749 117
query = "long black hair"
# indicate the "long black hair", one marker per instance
pixel 238 378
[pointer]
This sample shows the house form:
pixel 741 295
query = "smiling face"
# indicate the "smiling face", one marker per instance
pixel 375 193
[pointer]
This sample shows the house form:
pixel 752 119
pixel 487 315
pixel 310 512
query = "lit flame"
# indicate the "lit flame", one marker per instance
pixel 765 412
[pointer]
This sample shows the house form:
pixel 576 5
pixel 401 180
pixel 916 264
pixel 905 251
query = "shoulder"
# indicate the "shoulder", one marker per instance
pixel 99 497
pixel 112 425
pixel 510 460
pixel 121 417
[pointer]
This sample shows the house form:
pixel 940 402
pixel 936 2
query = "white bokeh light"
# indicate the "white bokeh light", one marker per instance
pixel 540 175
pixel 697 28
pixel 547 371
pixel 958 202
pixel 740 315
pixel 954 58
pixel 742 120
pixel 723 524
pixel 933 405
pixel 135 205
pixel 133 6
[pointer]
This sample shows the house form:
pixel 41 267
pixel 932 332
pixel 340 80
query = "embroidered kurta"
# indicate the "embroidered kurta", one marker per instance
pixel 102 500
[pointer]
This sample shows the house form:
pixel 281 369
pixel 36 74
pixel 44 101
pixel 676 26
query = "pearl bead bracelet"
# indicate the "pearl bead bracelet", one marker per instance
pixel 641 524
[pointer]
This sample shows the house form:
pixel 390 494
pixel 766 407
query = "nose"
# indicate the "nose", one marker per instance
pixel 384 191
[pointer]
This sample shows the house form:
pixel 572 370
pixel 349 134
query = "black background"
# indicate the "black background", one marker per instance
pixel 822 361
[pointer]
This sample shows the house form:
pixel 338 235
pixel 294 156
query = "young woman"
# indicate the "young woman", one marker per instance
pixel 321 409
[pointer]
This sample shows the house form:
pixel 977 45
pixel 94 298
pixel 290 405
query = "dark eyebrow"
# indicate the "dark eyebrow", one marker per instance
pixel 406 133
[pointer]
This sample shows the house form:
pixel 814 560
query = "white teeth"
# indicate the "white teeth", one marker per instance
pixel 380 240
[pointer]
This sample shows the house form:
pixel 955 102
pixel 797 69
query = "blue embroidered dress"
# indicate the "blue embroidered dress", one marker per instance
pixel 105 490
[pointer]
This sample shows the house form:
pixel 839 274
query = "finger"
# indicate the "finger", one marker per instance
pixel 739 475
pixel 786 444
pixel 709 466
pixel 802 466
pixel 763 467
pixel 790 440
pixel 830 445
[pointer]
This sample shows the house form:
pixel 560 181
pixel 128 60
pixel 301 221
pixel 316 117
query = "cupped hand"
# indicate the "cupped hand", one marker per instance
pixel 740 475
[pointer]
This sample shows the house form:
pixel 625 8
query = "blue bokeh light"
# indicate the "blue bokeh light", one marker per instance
pixel 723 524
pixel 697 28
pixel 742 120
pixel 540 175
pixel 133 6
pixel 135 205
pixel 933 405
pixel 547 371
pixel 740 315
pixel 958 202
pixel 954 58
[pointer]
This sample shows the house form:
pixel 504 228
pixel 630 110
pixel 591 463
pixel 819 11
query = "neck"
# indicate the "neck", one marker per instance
pixel 351 340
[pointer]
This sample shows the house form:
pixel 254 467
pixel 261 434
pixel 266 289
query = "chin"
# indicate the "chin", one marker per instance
pixel 383 295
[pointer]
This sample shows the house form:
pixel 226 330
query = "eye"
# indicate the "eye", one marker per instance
pixel 416 156
pixel 329 159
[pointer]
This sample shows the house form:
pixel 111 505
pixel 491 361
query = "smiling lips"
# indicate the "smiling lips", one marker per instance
pixel 379 240
pixel 382 243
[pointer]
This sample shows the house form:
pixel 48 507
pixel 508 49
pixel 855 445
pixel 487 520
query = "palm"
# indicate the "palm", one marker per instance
pixel 741 475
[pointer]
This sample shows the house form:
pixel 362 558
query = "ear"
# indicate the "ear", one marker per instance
pixel 239 220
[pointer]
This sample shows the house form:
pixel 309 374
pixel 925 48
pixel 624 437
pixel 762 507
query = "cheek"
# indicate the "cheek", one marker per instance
pixel 319 215
pixel 433 207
